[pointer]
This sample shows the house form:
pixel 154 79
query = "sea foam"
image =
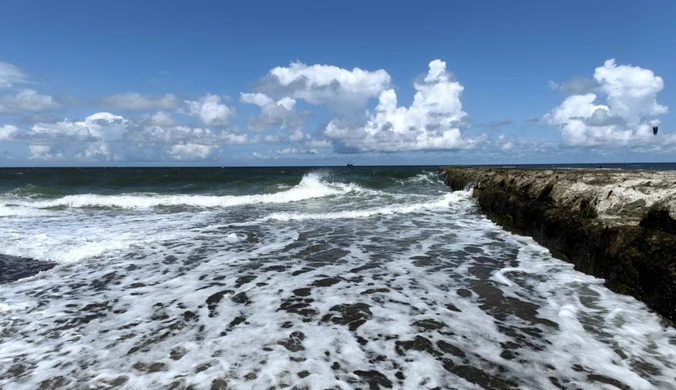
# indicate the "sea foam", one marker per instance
pixel 341 287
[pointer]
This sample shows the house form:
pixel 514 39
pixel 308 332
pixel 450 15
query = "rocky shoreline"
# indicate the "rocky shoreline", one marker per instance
pixel 618 225
pixel 13 268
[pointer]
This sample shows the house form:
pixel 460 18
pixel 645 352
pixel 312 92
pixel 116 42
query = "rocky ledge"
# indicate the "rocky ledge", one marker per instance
pixel 618 225
pixel 14 268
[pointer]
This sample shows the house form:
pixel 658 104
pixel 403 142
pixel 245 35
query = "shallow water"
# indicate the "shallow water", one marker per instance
pixel 299 278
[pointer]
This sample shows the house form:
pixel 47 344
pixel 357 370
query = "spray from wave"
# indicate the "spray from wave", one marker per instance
pixel 312 185
pixel 439 203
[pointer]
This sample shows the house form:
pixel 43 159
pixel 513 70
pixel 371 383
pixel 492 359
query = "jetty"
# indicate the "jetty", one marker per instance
pixel 619 225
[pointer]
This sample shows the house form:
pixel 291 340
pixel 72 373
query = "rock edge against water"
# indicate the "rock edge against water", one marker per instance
pixel 618 225
pixel 13 268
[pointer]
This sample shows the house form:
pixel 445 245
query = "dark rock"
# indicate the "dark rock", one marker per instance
pixel 219 384
pixel 364 268
pixel 481 378
pixel 327 282
pixel 657 218
pixel 236 321
pixel 429 324
pixel 150 368
pixel 634 250
pixel 298 305
pixel 375 379
pixel 375 290
pixel 241 298
pixel 352 314
pixel 176 354
pixel 189 316
pixel 449 348
pixel 606 380
pixel 242 280
pixel 275 268
pixel 202 367
pixel 294 342
pixel 302 292
pixel 418 344
pixel 214 299
pixel 58 382
pixel 302 271
pixel 14 268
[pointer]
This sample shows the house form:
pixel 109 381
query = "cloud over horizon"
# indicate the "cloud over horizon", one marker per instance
pixel 617 107
pixel 432 122
pixel 626 118
pixel 345 92
pixel 107 137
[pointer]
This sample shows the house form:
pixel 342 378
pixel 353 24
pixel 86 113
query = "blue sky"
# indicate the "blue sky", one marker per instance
pixel 81 83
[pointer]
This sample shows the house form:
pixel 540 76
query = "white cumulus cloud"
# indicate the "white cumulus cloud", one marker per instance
pixel 8 132
pixel 43 152
pixel 259 99
pixel 101 126
pixel 108 137
pixel 432 122
pixel 26 100
pixel 280 113
pixel 344 91
pixel 209 110
pixel 296 151
pixel 161 118
pixel 620 111
pixel 190 152
pixel 100 151
pixel 10 75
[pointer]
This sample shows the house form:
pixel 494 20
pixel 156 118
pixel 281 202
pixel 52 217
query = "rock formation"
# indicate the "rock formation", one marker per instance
pixel 618 225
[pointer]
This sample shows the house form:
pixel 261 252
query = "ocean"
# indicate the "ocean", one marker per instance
pixel 298 278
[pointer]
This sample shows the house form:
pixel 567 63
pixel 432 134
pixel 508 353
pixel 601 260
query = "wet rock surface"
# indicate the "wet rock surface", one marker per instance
pixel 615 197
pixel 614 224
pixel 353 315
pixel 14 268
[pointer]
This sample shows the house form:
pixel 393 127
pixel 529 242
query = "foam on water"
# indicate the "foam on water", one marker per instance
pixel 441 203
pixel 311 186
pixel 70 237
pixel 425 178
pixel 409 293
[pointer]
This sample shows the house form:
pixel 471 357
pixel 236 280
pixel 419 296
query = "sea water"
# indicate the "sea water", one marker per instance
pixel 304 278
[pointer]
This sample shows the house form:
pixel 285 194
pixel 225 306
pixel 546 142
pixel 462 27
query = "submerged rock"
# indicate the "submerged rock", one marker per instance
pixel 375 379
pixel 294 343
pixel 352 314
pixel 14 268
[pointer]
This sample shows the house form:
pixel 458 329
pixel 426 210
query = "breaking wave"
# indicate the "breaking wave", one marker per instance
pixel 312 185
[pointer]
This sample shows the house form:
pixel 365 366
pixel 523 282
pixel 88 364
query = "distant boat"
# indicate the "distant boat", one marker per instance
pixel 350 165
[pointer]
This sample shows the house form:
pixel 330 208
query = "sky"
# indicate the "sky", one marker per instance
pixel 265 83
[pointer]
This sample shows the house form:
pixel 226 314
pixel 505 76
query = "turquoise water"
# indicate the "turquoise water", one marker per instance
pixel 319 278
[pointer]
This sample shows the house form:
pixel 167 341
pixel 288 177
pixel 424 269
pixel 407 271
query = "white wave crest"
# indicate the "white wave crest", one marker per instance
pixel 439 203
pixel 425 177
pixel 310 186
